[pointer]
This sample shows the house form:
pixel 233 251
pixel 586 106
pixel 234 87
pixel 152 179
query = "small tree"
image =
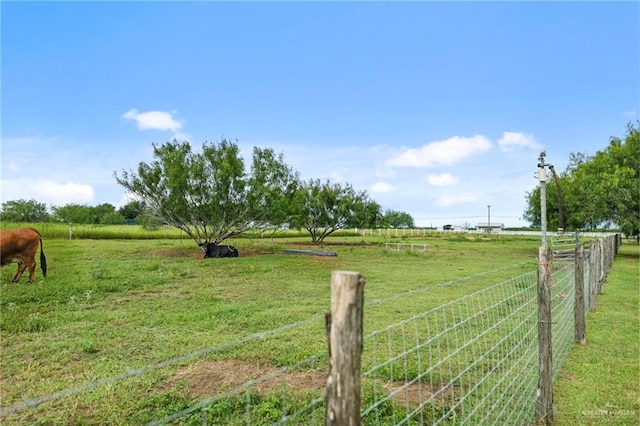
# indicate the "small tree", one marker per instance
pixel 132 211
pixel 24 211
pixel 112 218
pixel 396 219
pixel 73 213
pixel 368 214
pixel 324 207
pixel 208 194
pixel 149 223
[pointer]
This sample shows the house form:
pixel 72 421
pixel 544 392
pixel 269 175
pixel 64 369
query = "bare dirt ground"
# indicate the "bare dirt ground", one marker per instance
pixel 207 378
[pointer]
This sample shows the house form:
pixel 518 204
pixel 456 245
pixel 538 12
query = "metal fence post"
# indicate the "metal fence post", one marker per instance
pixel 344 332
pixel 544 402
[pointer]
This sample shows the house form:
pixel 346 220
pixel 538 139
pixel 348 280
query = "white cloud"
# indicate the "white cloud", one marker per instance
pixel 127 198
pixel 154 120
pixel 381 188
pixel 47 191
pixel 62 193
pixel 448 200
pixel 441 153
pixel 630 113
pixel 512 140
pixel 444 179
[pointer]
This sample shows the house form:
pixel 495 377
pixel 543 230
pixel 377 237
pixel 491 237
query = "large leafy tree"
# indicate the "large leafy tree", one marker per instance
pixel 209 194
pixel 276 187
pixel 325 207
pixel 24 211
pixel 596 190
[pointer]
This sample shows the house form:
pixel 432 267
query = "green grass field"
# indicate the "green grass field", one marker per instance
pixel 111 306
pixel 600 382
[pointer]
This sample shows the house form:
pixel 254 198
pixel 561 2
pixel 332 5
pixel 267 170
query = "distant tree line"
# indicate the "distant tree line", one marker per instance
pixel 104 214
pixel 595 191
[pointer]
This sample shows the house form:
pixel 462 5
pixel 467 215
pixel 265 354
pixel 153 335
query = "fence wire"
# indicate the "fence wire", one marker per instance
pixel 473 361
pixel 562 314
pixel 246 404
pixel 274 338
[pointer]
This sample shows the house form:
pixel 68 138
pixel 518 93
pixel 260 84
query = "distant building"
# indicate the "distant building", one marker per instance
pixel 447 228
pixel 490 228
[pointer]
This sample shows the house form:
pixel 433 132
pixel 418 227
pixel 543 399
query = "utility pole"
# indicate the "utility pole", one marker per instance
pixel 489 218
pixel 542 177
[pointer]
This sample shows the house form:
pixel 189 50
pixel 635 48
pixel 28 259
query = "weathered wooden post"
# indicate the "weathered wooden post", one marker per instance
pixel 344 332
pixel 578 309
pixel 544 402
pixel 601 266
pixel 611 252
pixel 593 275
pixel 605 260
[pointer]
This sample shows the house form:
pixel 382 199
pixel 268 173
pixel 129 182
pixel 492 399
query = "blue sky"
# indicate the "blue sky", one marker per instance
pixel 437 109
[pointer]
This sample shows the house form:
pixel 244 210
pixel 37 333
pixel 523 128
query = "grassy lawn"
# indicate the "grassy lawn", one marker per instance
pixel 111 306
pixel 600 382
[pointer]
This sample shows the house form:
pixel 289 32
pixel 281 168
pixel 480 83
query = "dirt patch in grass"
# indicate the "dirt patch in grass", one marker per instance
pixel 415 394
pixel 207 378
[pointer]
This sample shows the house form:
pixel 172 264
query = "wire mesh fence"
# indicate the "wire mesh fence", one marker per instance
pixel 562 305
pixel 442 354
pixel 472 360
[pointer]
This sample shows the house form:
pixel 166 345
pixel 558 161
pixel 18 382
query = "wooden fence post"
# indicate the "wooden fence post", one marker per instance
pixel 593 275
pixel 344 332
pixel 578 309
pixel 611 252
pixel 605 260
pixel 601 263
pixel 544 402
